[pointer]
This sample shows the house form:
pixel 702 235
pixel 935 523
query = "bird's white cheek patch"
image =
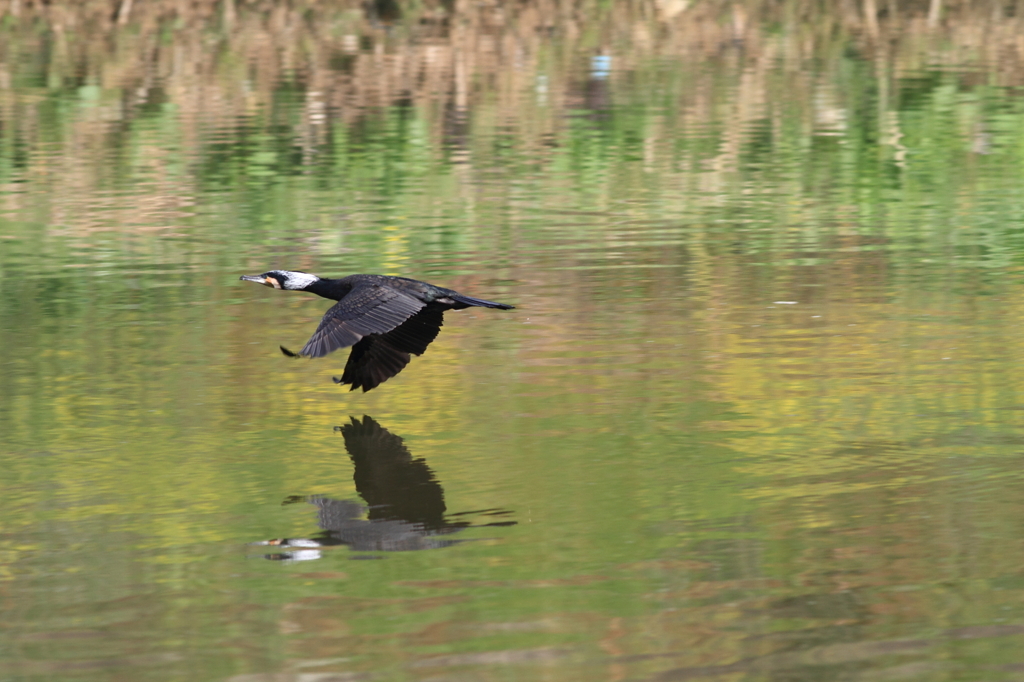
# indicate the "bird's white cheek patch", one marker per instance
pixel 298 280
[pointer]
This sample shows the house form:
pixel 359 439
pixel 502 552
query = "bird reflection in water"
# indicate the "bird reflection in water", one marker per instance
pixel 404 508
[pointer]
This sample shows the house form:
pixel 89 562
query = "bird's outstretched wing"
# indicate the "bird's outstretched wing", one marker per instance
pixel 378 357
pixel 367 309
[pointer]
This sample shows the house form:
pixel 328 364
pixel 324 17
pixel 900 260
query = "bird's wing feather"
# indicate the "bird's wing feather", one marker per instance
pixel 372 362
pixel 368 309
pixel 378 357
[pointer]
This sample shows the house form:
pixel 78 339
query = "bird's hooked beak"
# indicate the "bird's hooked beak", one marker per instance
pixel 260 279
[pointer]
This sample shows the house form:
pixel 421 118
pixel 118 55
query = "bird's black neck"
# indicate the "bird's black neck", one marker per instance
pixel 334 289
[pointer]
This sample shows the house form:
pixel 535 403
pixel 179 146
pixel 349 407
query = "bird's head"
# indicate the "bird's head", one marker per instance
pixel 282 279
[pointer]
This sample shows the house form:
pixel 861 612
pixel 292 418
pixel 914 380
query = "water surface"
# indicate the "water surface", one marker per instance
pixel 758 413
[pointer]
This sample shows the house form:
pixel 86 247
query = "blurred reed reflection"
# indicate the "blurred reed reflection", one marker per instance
pixel 406 509
pixel 132 117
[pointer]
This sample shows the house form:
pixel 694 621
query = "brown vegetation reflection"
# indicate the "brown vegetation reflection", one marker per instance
pixel 217 61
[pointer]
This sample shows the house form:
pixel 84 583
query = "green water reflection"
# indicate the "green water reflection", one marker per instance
pixel 758 413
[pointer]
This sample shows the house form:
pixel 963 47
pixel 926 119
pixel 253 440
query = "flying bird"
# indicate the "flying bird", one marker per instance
pixel 383 318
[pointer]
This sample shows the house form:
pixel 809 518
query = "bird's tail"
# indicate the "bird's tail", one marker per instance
pixel 467 301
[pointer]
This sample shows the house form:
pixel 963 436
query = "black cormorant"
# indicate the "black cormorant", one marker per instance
pixel 383 318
